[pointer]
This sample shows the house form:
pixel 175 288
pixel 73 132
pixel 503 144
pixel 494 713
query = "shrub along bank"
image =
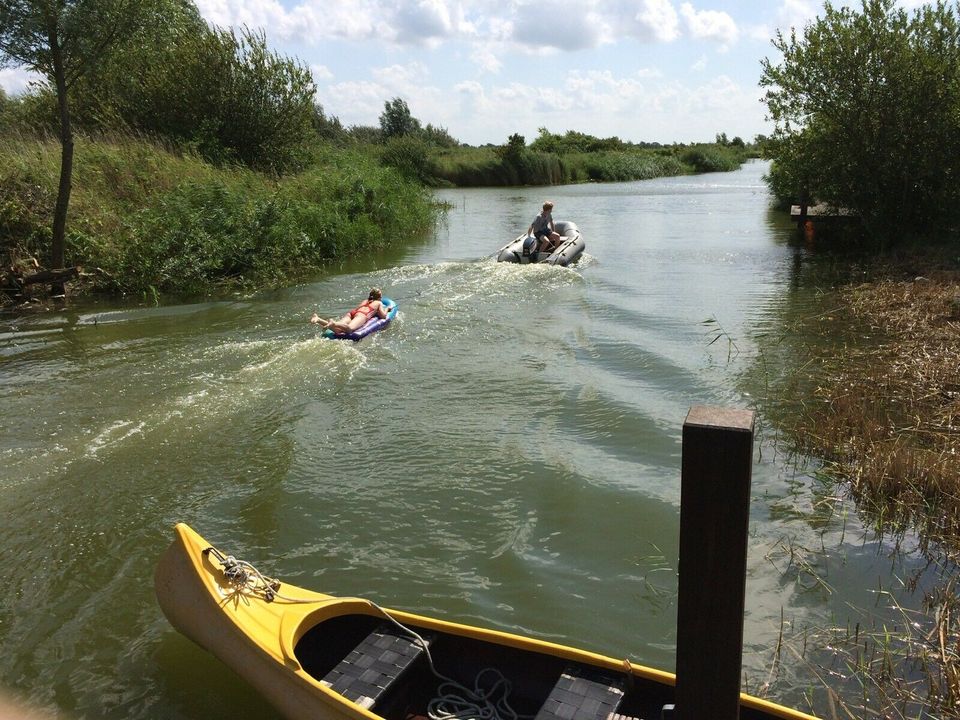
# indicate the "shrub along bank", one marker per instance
pixel 145 219
pixel 515 164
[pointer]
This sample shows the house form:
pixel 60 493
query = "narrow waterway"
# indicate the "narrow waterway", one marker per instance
pixel 506 453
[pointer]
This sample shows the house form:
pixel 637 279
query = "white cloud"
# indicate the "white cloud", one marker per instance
pixel 558 24
pixel 308 21
pixel 634 108
pixel 321 73
pixel 15 80
pixel 354 103
pixel 526 24
pixel 659 19
pixel 797 13
pixel 412 74
pixel 710 25
pixel 427 20
pixel 485 58
pixel 648 21
pixel 483 38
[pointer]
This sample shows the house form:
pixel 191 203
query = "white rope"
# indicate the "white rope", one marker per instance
pixel 454 700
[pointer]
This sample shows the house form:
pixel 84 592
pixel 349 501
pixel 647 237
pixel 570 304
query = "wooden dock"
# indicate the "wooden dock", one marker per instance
pixel 819 212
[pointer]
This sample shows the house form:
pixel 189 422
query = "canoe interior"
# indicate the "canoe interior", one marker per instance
pixel 532 674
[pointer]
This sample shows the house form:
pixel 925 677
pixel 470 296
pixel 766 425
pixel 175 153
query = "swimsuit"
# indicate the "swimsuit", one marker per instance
pixel 365 309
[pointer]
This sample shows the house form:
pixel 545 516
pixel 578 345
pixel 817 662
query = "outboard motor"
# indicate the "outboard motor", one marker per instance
pixel 529 248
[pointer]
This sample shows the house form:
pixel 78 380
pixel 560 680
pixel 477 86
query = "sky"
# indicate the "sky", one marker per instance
pixel 641 70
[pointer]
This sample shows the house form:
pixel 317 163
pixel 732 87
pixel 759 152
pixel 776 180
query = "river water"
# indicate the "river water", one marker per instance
pixel 506 453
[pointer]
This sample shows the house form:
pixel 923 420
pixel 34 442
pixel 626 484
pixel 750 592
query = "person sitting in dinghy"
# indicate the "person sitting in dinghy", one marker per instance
pixel 356 318
pixel 542 229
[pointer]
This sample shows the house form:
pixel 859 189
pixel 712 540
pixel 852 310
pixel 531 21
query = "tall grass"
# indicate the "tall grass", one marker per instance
pixel 490 166
pixel 153 220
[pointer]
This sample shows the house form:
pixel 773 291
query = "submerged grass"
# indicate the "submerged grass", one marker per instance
pixel 886 415
pixel 904 667
pixel 883 412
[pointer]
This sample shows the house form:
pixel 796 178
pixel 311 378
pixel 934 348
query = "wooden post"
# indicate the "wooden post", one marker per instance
pixel 714 520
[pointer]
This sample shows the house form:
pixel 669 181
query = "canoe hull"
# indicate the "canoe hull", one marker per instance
pixel 276 645
pixel 192 607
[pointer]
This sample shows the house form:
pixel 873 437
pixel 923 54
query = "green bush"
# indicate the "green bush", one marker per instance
pixel 866 105
pixel 410 155
pixel 712 158
pixel 156 221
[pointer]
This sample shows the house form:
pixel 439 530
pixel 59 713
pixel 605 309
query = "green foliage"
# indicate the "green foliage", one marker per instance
pixel 622 166
pixel 364 134
pixel 410 155
pixel 516 164
pixel 259 106
pixel 227 95
pixel 713 158
pixel 149 218
pixel 438 136
pixel 68 37
pixel 396 119
pixel 327 128
pixel 866 106
pixel 574 142
pixel 62 41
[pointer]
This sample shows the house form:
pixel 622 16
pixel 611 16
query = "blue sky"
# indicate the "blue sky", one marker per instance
pixel 643 70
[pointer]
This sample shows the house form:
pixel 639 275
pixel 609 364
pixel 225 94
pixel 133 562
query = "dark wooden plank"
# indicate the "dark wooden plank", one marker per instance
pixel 714 520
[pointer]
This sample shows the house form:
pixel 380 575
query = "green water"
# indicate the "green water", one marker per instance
pixel 506 453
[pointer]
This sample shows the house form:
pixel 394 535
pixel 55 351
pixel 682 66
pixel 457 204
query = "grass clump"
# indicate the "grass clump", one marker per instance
pixel 886 415
pixel 877 397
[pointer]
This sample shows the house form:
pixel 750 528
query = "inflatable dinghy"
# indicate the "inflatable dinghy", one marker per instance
pixel 523 249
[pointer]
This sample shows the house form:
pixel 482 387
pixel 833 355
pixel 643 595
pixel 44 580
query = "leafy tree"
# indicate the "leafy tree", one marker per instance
pixel 143 85
pixel 866 106
pixel 516 145
pixel 257 105
pixel 327 127
pixel 5 104
pixel 222 92
pixel 409 154
pixel 439 137
pixel 63 39
pixel 396 119
pixel 365 134
pixel 573 142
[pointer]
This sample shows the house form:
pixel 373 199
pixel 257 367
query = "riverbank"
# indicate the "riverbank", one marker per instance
pixel 515 165
pixel 885 415
pixel 150 220
pixel 883 412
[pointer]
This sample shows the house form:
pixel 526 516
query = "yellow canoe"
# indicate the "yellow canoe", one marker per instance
pixel 327 658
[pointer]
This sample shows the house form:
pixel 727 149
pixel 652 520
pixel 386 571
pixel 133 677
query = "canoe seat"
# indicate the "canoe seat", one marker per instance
pixel 368 670
pixel 582 694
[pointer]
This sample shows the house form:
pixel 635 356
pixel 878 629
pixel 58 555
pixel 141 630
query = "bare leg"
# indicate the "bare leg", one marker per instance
pixel 339 326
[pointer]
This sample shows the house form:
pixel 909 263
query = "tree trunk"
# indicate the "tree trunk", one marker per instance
pixel 66 155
